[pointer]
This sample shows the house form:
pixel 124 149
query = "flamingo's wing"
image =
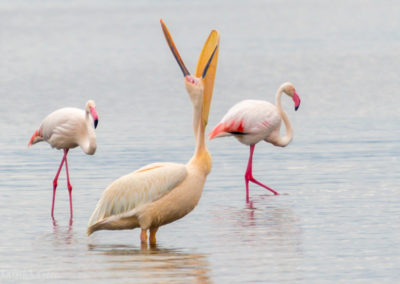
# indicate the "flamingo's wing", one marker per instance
pixel 62 127
pixel 138 188
pixel 247 117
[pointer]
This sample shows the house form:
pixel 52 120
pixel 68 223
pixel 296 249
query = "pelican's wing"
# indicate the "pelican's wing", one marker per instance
pixel 140 187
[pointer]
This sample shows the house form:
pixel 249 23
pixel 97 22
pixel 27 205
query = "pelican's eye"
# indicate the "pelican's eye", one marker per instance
pixel 192 80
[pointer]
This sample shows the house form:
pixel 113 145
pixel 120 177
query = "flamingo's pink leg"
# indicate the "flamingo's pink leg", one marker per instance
pixel 68 182
pixel 263 185
pixel 55 183
pixel 248 176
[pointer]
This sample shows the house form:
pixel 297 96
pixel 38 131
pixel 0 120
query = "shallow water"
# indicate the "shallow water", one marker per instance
pixel 337 216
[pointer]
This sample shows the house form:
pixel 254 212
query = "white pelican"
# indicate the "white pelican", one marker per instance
pixel 68 128
pixel 160 193
pixel 251 121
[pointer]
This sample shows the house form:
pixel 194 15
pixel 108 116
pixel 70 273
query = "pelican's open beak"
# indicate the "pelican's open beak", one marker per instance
pixel 206 65
pixel 172 46
pixel 93 112
pixel 206 69
pixel 296 100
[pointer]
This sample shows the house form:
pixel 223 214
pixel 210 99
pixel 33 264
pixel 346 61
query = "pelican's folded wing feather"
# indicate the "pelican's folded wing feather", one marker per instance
pixel 138 188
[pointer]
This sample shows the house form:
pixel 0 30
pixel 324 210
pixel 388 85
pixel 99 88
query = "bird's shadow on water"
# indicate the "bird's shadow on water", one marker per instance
pixel 154 262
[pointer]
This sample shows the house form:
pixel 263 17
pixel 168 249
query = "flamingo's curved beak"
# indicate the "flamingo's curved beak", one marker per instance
pixel 93 112
pixel 296 100
pixel 175 52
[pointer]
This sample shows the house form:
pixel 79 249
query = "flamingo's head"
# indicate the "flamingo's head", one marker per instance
pixel 290 90
pixel 91 108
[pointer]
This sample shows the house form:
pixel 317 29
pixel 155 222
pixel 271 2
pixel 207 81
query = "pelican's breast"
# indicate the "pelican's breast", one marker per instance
pixel 175 204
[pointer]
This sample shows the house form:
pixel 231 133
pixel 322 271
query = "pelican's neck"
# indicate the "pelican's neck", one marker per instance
pixel 201 157
pixel 283 141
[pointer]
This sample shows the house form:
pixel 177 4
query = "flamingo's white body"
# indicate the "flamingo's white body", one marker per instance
pixel 67 128
pixel 251 121
pixel 161 193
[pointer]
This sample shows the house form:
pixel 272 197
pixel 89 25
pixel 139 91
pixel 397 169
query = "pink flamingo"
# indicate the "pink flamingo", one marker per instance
pixel 251 121
pixel 68 128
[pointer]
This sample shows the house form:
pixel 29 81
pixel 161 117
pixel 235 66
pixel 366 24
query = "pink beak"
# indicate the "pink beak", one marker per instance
pixel 93 112
pixel 296 100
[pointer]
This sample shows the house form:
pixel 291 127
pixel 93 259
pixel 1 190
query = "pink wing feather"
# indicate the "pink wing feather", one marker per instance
pixel 248 118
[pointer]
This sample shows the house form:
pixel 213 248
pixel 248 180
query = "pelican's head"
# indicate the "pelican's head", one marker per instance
pixel 289 90
pixel 195 88
pixel 91 108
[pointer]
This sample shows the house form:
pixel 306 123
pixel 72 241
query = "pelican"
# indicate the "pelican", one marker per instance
pixel 160 193
pixel 252 121
pixel 68 128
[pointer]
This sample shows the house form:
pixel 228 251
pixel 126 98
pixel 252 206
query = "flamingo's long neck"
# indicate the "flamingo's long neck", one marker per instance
pixel 283 140
pixel 88 144
pixel 201 157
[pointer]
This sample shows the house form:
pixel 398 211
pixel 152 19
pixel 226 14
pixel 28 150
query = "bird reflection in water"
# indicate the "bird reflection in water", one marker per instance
pixel 62 234
pixel 155 263
pixel 262 221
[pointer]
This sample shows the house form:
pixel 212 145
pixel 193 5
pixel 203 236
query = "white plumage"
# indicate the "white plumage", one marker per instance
pixel 251 121
pixel 161 193
pixel 140 187
pixel 67 128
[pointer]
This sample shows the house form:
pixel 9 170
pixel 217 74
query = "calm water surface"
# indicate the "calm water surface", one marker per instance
pixel 337 218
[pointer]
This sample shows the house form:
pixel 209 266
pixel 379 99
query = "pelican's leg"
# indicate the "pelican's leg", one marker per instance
pixel 55 185
pixel 152 239
pixel 68 183
pixel 249 175
pixel 143 236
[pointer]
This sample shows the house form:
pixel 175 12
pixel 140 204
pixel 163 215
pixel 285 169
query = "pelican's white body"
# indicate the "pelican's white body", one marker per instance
pixel 161 193
pixel 150 197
